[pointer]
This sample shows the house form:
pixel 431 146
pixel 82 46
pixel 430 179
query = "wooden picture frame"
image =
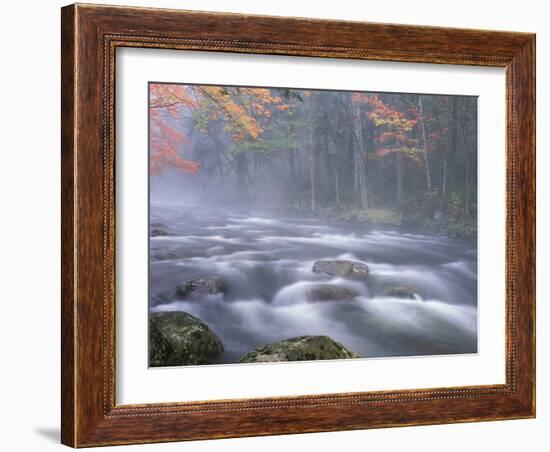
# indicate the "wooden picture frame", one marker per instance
pixel 90 36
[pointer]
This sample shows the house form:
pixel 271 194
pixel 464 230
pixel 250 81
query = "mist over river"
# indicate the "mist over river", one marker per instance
pixel 266 263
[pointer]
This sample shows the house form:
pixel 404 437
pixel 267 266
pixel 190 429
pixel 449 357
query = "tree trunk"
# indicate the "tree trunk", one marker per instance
pixel 257 165
pixel 444 177
pixel 467 182
pixel 467 170
pixel 398 178
pixel 312 158
pixel 333 165
pixel 359 160
pixel 240 159
pixel 424 147
pixel 292 166
pixel 220 166
pixel 347 163
pixel 450 157
pixel 337 186
pixel 219 151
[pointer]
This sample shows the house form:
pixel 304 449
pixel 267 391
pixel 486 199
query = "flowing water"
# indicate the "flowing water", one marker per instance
pixel 266 262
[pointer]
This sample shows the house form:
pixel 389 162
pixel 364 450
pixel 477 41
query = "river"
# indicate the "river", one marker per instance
pixel 266 262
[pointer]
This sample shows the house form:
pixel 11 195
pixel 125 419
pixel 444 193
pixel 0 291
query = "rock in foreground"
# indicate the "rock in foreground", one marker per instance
pixel 160 350
pixel 207 285
pixel 327 292
pixel 341 268
pixel 178 339
pixel 303 348
pixel 402 292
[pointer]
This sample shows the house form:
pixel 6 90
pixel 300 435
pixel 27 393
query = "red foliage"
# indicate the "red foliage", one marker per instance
pixel 165 141
pixel 397 127
pixel 245 113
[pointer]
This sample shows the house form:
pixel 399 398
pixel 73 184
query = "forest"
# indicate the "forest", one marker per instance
pixel 302 225
pixel 402 160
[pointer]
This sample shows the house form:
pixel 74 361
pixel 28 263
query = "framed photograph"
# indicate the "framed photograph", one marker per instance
pixel 280 225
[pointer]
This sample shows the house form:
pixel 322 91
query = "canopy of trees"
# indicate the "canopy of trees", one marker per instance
pixel 407 157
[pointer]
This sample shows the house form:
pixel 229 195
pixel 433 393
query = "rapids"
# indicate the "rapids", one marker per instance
pixel 266 262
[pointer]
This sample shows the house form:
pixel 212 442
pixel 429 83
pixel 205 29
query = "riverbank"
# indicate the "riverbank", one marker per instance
pixel 438 224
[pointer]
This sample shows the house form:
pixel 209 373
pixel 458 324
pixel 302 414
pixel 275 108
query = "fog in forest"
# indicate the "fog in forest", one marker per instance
pixel 294 224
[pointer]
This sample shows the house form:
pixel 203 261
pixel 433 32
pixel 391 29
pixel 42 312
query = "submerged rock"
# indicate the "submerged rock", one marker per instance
pixel 164 256
pixel 402 292
pixel 303 348
pixel 340 268
pixel 178 339
pixel 327 292
pixel 207 285
pixel 157 232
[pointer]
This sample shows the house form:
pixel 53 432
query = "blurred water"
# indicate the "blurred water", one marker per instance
pixel 267 261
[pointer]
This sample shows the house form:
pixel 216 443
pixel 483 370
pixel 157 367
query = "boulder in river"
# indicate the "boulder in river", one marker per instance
pixel 161 352
pixel 164 256
pixel 342 268
pixel 207 285
pixel 303 348
pixel 402 292
pixel 328 292
pixel 178 339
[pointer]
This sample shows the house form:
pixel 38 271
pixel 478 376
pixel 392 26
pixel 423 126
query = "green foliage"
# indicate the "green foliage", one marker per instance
pixel 352 213
pixel 462 229
pixel 384 216
pixel 330 153
pixel 446 215
pixel 250 144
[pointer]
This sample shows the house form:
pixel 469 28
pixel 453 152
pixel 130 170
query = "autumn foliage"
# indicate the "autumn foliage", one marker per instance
pixel 397 126
pixel 319 147
pixel 244 112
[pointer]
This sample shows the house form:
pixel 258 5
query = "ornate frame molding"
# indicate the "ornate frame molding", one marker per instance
pixel 90 37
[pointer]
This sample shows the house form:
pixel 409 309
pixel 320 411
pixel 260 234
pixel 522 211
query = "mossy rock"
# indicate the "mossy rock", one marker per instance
pixel 158 232
pixel 207 285
pixel 164 256
pixel 179 339
pixel 328 292
pixel 160 350
pixel 303 348
pixel 405 293
pixel 343 268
